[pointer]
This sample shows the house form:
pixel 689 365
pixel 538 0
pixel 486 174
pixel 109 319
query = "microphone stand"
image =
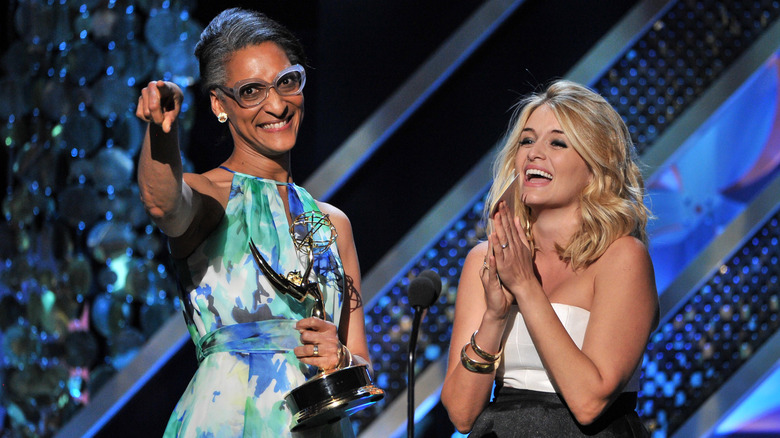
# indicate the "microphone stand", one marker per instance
pixel 418 311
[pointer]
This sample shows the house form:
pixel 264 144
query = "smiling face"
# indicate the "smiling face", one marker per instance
pixel 270 128
pixel 554 172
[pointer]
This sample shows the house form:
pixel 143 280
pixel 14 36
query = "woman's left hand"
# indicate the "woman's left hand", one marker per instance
pixel 321 346
pixel 511 248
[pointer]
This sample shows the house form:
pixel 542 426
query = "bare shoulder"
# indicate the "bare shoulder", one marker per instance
pixel 478 251
pixel 337 217
pixel 214 183
pixel 625 251
pixel 626 270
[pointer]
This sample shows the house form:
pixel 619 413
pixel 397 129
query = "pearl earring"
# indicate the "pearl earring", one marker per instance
pixel 222 117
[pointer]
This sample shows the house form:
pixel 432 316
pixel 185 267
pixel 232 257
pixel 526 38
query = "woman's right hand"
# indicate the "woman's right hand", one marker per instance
pixel 497 298
pixel 160 104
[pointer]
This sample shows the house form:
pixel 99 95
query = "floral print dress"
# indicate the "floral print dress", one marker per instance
pixel 244 330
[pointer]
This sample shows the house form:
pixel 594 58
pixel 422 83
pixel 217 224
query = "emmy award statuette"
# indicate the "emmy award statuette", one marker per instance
pixel 330 394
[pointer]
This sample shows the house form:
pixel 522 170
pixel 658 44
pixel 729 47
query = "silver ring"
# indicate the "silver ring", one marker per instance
pixel 504 245
pixel 316 350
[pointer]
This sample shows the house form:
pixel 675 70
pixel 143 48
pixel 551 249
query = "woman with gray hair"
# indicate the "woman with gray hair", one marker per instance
pixel 234 235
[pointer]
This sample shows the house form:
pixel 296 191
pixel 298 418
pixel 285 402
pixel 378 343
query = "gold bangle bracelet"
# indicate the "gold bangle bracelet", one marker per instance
pixel 474 366
pixel 482 353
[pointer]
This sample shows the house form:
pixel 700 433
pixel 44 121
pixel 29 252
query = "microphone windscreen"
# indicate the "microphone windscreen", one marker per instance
pixel 435 279
pixel 424 289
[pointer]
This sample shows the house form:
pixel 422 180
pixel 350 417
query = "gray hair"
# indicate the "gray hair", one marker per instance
pixel 234 29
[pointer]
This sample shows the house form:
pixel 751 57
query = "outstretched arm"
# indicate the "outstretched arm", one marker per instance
pixel 168 200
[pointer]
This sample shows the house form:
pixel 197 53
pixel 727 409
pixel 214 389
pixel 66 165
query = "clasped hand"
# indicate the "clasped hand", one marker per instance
pixel 160 104
pixel 508 266
pixel 321 346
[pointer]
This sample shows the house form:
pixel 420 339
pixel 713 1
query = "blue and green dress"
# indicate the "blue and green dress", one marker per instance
pixel 244 330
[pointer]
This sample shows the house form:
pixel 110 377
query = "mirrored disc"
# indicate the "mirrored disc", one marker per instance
pixel 20 59
pixel 109 315
pixel 109 239
pixel 44 314
pixel 113 25
pixel 77 274
pixel 44 385
pixel 34 21
pixel 20 345
pixel 15 100
pixel 178 64
pixel 127 132
pixel 138 279
pixel 63 31
pixel 24 205
pixel 81 349
pixel 80 206
pixel 126 205
pixel 135 60
pixel 36 163
pixel 82 131
pixel 114 167
pixel 56 242
pixel 149 5
pixel 124 346
pixel 16 271
pixel 52 96
pixel 162 29
pixel 84 62
pixel 149 246
pixel 112 96
pixel 80 172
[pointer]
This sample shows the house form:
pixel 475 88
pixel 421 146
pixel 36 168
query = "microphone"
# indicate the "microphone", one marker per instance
pixel 423 291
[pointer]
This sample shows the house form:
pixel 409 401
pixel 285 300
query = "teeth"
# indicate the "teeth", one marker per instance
pixel 537 172
pixel 276 125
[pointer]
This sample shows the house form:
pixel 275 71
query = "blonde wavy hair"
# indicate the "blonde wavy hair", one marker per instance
pixel 612 204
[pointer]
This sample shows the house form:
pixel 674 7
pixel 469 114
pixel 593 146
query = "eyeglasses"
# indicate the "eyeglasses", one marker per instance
pixel 252 92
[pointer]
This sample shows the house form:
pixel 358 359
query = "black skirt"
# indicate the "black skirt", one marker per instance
pixel 520 413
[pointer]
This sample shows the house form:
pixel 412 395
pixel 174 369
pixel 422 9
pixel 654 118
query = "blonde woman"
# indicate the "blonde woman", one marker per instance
pixel 557 305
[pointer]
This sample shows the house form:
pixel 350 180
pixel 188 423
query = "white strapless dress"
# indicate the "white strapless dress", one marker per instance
pixel 521 366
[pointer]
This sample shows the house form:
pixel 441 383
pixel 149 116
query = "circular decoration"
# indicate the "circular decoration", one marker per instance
pixel 52 96
pixel 82 132
pixel 109 239
pixel 112 95
pixel 107 25
pixel 81 349
pixel 34 21
pixel 109 315
pixel 15 95
pixel 80 206
pixel 84 62
pixel 135 61
pixel 113 168
pixel 124 346
pixel 37 165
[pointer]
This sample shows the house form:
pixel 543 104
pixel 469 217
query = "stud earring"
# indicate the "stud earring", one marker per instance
pixel 222 117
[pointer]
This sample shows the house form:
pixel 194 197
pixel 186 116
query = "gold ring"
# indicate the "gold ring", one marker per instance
pixel 316 350
pixel 504 245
